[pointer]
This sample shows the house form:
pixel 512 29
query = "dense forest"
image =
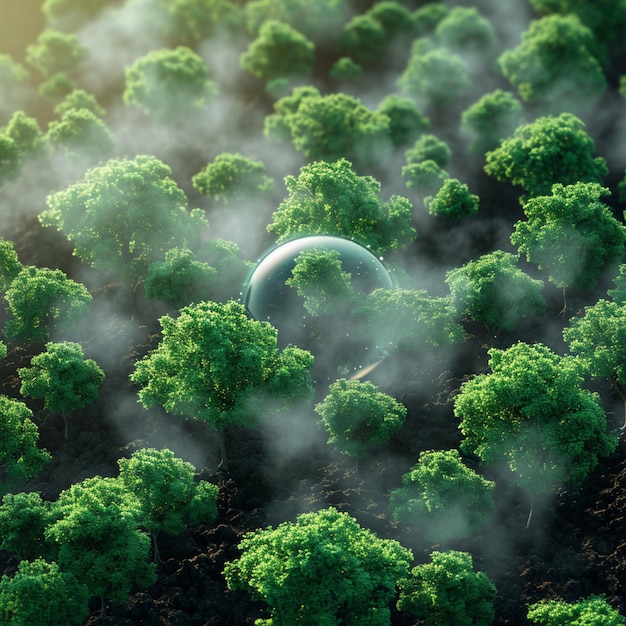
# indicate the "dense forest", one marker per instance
pixel 314 312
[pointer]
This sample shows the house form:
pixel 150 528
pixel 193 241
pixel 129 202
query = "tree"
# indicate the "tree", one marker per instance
pixel 42 594
pixel 318 277
pixel 394 17
pixel 405 318
pixel 572 234
pixel 279 52
pixel 598 338
pixel 426 177
pixel 214 363
pixel 26 134
pixel 427 17
pixel 544 152
pixel 466 31
pixel 358 416
pixel 179 279
pixel 406 121
pixel 98 540
pixel 169 84
pixel 591 611
pixel 55 52
pixel 94 214
pixel 42 301
pixel 429 148
pixel 10 265
pixel 436 76
pixel 23 521
pixel 63 378
pixel 448 591
pixel 363 39
pixel 20 458
pixel 493 291
pixel 556 61
pixel 321 569
pixel 82 135
pixel 9 159
pixel 443 496
pixel 169 497
pixel 329 127
pixel 331 199
pixel 532 414
pixel 79 99
pixel 453 200
pixel 230 176
pixel 70 15
pixel 492 118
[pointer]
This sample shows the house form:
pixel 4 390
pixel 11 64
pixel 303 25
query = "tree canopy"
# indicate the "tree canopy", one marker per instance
pixel 591 611
pixel 331 199
pixel 123 215
pixel 321 568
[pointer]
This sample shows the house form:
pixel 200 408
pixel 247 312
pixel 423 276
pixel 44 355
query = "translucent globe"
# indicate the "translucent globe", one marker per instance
pixel 267 297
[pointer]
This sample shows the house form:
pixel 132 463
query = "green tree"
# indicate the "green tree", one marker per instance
pixel 98 539
pixel 230 176
pixel 214 363
pixel 572 234
pixel 363 39
pixel 405 318
pixel 27 135
pixel 546 151
pixel 10 265
pixel 79 99
pixel 124 215
pixel 427 17
pixel 598 338
pixel 429 148
pixel 321 569
pixel 448 591
pixel 329 127
pixel 20 458
pixel 42 594
pixel 435 75
pixel 42 301
pixel 180 279
pixel 24 518
pixel 466 31
pixel 169 497
pixel 331 199
pixel 82 136
pixel 63 378
pixel 443 496
pixel 9 159
pixel 425 177
pixel 590 611
pixel 358 416
pixel 70 15
pixel 492 118
pixel 279 52
pixel 406 121
pixel 55 52
pixel 532 414
pixel 493 291
pixel 394 17
pixel 169 84
pixel 556 62
pixel 318 277
pixel 453 200
pixel 618 294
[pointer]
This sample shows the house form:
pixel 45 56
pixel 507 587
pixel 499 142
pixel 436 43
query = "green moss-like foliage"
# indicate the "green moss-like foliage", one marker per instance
pixel 591 611
pixel 453 201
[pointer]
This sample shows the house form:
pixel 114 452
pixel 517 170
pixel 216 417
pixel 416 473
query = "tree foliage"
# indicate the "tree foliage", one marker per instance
pixel 40 593
pixel 321 569
pixel 329 127
pixel 429 148
pixel 55 52
pixel 79 99
pixel 63 378
pixel 493 291
pixel 230 176
pixel 590 611
pixel 169 497
pixel 492 118
pixel 42 301
pixel 448 591
pixel 572 234
pixel 532 414
pixel 124 215
pixel 169 84
pixel 10 265
pixel 466 31
pixel 425 177
pixel 26 133
pixel 215 364
pixel 453 200
pixel 358 416
pixel 443 496
pixel 331 199
pixel 549 150
pixel 406 121
pixel 70 15
pixel 20 456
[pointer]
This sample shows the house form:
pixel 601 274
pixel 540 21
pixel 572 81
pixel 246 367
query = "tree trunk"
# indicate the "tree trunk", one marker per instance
pixel 223 465
pixel 155 547
pixel 531 498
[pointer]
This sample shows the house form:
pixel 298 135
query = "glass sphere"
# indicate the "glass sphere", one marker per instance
pixel 267 298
